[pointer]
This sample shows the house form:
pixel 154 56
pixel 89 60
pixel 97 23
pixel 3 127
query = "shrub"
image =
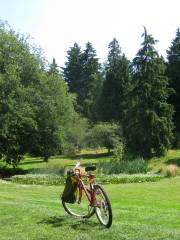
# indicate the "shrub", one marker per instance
pixel 56 170
pixel 124 166
pixel 38 179
pixel 106 135
pixel 119 152
pixel 171 170
pixel 124 178
pixel 46 179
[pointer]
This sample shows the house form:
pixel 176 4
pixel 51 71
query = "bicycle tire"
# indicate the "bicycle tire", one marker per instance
pixel 103 206
pixel 82 209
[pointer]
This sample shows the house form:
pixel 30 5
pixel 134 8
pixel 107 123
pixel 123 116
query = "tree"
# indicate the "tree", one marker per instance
pixel 173 72
pixel 72 72
pixel 54 112
pixel 113 102
pixel 53 68
pixel 91 82
pixel 34 104
pixel 82 73
pixel 149 125
pixel 106 135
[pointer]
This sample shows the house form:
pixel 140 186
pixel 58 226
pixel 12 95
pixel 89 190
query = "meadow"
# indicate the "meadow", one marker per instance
pixel 144 211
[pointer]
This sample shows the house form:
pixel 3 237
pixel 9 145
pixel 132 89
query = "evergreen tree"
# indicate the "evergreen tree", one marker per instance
pixel 173 71
pixel 72 72
pixel 91 82
pixel 149 120
pixel 82 73
pixel 113 101
pixel 53 68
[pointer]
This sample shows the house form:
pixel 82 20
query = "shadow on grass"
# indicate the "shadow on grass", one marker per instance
pixel 91 155
pixel 6 172
pixel 175 161
pixel 74 223
pixel 31 162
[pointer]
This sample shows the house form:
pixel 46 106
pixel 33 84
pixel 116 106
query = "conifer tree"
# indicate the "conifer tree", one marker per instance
pixel 91 81
pixel 173 71
pixel 72 72
pixel 82 73
pixel 113 103
pixel 149 120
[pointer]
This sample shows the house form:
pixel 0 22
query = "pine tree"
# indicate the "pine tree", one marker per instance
pixel 173 71
pixel 82 73
pixel 113 101
pixel 73 69
pixel 53 67
pixel 149 120
pixel 91 81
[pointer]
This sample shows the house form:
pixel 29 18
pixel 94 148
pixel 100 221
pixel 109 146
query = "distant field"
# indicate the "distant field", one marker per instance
pixel 172 157
pixel 94 156
pixel 86 156
pixel 142 211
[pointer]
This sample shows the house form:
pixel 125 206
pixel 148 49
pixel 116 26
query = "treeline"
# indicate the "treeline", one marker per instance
pixel 44 112
pixel 142 95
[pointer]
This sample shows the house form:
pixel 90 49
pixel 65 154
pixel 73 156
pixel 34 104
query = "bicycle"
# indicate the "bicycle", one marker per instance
pixel 90 200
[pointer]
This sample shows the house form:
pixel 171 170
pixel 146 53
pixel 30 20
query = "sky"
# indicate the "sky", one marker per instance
pixel 55 25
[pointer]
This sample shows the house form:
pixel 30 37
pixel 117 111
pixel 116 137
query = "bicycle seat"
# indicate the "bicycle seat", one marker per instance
pixel 90 168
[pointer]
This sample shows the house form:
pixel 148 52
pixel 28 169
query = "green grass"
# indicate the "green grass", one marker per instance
pixel 86 156
pixel 37 165
pixel 52 179
pixel 146 211
pixel 172 157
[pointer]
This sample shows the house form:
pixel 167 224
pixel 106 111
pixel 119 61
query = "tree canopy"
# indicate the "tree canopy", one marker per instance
pixel 173 72
pixel 34 104
pixel 113 101
pixel 149 120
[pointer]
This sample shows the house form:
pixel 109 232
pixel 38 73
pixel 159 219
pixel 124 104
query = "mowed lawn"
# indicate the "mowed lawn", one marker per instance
pixel 140 211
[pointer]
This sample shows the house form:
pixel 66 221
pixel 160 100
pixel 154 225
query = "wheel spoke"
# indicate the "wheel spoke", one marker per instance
pixel 103 207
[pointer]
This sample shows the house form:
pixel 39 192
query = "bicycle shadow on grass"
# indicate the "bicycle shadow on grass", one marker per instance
pixel 74 223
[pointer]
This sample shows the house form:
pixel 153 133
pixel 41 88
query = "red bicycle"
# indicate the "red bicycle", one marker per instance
pixel 90 200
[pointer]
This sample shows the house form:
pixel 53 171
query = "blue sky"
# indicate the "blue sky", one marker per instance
pixel 56 24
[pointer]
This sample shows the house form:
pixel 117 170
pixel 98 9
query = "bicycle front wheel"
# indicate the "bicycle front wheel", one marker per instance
pixel 103 206
pixel 80 209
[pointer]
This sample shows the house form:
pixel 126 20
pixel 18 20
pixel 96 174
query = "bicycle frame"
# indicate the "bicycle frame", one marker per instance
pixel 91 197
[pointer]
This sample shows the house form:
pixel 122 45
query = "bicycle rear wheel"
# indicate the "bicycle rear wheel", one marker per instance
pixel 103 206
pixel 79 209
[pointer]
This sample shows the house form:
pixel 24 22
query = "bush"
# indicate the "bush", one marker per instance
pixel 124 178
pixel 75 136
pixel 46 179
pixel 106 135
pixel 39 179
pixel 55 170
pixel 171 170
pixel 124 166
pixel 119 152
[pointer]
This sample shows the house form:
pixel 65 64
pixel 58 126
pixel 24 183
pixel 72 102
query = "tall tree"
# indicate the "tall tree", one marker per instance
pixel 72 72
pixel 91 81
pixel 53 68
pixel 173 71
pixel 82 73
pixel 149 120
pixel 113 101
pixel 34 105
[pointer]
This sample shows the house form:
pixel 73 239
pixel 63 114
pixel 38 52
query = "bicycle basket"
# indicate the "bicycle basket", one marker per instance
pixel 70 191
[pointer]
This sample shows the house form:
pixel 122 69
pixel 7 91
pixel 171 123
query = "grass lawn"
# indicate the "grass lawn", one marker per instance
pixel 92 156
pixel 85 157
pixel 141 211
pixel 172 157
